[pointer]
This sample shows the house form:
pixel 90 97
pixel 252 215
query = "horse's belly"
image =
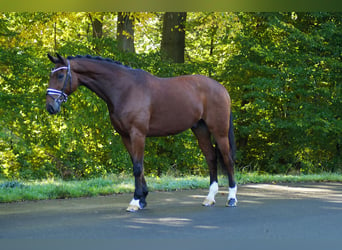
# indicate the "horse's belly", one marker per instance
pixel 164 131
pixel 170 124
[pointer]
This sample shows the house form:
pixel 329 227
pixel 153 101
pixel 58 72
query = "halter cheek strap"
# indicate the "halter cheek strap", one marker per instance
pixel 61 96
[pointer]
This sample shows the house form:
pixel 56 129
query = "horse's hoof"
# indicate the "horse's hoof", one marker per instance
pixel 231 202
pixel 133 208
pixel 142 204
pixel 208 202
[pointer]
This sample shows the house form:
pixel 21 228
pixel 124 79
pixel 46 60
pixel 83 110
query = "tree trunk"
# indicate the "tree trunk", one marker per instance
pixel 97 26
pixel 125 32
pixel 173 36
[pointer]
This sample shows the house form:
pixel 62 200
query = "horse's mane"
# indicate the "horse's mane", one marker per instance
pixel 98 58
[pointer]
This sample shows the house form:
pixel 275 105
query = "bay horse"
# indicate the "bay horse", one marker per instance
pixel 141 105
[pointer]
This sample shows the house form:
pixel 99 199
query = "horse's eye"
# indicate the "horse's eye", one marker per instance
pixel 60 76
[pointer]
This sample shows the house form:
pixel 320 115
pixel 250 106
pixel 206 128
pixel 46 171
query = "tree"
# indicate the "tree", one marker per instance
pixel 173 36
pixel 97 24
pixel 125 31
pixel 285 81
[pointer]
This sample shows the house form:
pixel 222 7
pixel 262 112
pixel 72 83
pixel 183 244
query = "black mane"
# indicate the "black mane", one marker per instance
pixel 98 58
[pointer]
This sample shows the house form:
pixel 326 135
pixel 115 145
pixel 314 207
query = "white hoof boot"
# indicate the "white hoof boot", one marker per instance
pixel 133 206
pixel 210 199
pixel 232 200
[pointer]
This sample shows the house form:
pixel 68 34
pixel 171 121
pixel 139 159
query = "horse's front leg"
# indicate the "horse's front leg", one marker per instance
pixel 141 191
pixel 135 145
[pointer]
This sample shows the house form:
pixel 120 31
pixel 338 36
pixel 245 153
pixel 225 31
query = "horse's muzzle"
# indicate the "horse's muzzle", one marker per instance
pixel 53 107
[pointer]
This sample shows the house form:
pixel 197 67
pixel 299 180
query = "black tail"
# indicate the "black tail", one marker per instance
pixel 231 138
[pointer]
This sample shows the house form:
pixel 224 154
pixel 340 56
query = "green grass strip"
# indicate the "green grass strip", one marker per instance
pixel 11 191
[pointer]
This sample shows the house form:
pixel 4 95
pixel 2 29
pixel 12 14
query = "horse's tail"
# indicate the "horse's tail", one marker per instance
pixel 232 146
pixel 231 138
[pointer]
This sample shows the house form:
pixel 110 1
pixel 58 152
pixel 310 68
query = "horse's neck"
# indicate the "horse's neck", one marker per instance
pixel 96 88
pixel 98 81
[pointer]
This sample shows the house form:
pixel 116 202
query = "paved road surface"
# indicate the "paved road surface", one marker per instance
pixel 265 211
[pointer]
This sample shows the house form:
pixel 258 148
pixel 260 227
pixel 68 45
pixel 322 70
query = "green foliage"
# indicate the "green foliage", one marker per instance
pixel 287 80
pixel 283 71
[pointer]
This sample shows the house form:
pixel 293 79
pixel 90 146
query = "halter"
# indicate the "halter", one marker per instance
pixel 61 96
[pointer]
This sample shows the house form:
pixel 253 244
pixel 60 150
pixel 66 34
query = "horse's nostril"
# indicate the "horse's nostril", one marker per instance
pixel 50 109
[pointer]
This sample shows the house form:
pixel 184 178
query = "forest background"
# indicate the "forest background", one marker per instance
pixel 282 70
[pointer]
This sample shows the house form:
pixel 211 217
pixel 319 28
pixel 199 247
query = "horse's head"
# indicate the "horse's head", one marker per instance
pixel 61 84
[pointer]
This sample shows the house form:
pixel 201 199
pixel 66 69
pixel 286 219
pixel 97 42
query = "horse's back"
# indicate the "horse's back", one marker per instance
pixel 191 86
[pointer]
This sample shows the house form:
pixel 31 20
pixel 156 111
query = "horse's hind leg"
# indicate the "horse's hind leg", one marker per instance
pixel 223 145
pixel 204 141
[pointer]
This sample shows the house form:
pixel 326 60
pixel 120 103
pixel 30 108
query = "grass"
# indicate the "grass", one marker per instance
pixel 11 191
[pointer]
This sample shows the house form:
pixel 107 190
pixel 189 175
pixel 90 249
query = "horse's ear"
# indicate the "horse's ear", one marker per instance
pixel 52 59
pixel 61 59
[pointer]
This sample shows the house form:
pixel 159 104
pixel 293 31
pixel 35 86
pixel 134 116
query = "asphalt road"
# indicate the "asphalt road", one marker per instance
pixel 265 211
